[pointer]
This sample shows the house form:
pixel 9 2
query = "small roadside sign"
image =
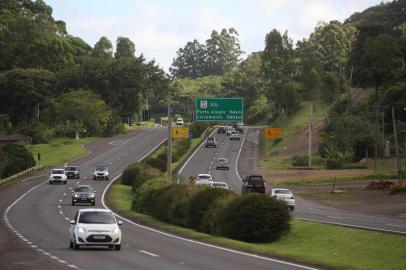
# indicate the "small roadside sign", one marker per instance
pixel 272 133
pixel 180 132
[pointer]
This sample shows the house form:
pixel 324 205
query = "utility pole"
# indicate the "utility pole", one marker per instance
pixel 383 131
pixel 309 162
pixel 376 129
pixel 396 145
pixel 169 150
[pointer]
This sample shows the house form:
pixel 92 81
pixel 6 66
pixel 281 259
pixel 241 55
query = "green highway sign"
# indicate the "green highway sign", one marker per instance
pixel 219 109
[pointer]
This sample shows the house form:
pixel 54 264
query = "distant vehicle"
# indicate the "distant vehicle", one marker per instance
pixel 222 185
pixel 204 179
pixel 94 227
pixel 222 163
pixel 238 127
pixel 229 130
pixel 83 194
pixel 235 135
pixel 284 195
pixel 101 172
pixel 221 130
pixel 57 176
pixel 72 172
pixel 179 122
pixel 211 142
pixel 253 183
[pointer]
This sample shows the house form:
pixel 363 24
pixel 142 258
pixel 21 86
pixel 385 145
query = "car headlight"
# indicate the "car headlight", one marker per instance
pixel 116 230
pixel 91 195
pixel 82 230
pixel 76 195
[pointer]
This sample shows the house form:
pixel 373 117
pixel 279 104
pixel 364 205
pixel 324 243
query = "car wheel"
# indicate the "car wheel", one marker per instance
pixel 78 177
pixel 70 244
pixel 94 178
pixel 50 182
pixel 75 245
pixel 64 182
pixel 117 247
pixel 107 178
pixel 73 203
pixel 93 203
pixel 292 208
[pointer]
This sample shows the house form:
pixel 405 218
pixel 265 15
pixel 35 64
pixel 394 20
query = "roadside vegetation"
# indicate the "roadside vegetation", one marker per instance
pixel 328 246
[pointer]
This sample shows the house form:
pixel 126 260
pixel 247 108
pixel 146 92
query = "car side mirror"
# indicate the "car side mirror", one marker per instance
pixel 49 173
pixel 72 222
pixel 119 222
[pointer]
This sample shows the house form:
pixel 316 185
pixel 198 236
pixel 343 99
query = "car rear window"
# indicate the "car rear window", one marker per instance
pixel 83 189
pixel 281 191
pixel 96 217
pixel 204 177
pixel 70 169
pixel 255 180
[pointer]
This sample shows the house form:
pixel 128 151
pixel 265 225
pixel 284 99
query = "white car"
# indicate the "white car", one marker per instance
pixel 235 135
pixel 179 122
pixel 229 131
pixel 219 185
pixel 94 227
pixel 101 172
pixel 204 179
pixel 284 195
pixel 57 176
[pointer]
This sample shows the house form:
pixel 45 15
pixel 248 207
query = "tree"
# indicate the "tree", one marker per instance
pixel 124 48
pixel 190 61
pixel 103 47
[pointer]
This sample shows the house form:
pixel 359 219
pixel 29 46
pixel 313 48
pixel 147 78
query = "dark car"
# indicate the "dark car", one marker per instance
pixel 221 130
pixel 211 142
pixel 238 127
pixel 253 183
pixel 83 194
pixel 72 172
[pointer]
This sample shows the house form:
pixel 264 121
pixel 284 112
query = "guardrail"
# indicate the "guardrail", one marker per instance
pixel 29 171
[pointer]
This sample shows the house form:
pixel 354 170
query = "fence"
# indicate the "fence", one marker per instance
pixel 29 171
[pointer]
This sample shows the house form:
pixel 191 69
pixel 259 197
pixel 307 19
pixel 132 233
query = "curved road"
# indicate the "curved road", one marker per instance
pixel 203 160
pixel 40 218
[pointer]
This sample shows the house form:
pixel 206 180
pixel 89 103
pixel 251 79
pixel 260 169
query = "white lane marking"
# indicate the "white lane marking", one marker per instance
pixel 335 217
pixel 195 241
pixel 238 155
pixel 193 154
pixel 125 154
pixel 352 226
pixel 396 225
pixel 119 158
pixel 85 177
pixel 60 200
pixel 110 163
pixel 60 212
pixel 67 219
pixel 59 206
pixel 148 253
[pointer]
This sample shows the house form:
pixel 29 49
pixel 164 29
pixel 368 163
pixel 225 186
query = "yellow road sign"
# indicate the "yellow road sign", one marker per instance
pixel 272 133
pixel 180 132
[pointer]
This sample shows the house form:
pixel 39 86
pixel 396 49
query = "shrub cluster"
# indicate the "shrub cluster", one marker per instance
pixel 14 158
pixel 197 128
pixel 299 161
pixel 137 174
pixel 252 218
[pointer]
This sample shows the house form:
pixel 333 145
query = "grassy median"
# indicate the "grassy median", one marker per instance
pixel 308 242
pixel 59 151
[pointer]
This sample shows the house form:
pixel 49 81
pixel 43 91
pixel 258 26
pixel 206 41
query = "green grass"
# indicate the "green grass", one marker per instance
pixel 193 143
pixel 59 150
pixel 329 246
pixel 294 124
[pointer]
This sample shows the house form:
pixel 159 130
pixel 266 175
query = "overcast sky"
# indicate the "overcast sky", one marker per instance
pixel 159 28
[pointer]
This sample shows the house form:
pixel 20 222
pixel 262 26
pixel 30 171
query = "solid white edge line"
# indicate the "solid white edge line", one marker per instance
pixel 148 253
pixel 353 226
pixel 193 154
pixel 190 240
pixel 238 155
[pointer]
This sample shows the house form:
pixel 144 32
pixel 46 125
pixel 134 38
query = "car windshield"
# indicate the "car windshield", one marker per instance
pixel 96 217
pixel 282 191
pixel 222 160
pixel 204 176
pixel 57 171
pixel 256 180
pixel 70 169
pixel 219 185
pixel 83 189
pixel 235 133
pixel 101 169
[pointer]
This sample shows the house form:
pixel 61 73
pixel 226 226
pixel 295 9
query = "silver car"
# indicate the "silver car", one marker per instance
pixel 222 163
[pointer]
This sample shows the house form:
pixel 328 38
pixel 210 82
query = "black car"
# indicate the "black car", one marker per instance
pixel 83 194
pixel 238 127
pixel 72 172
pixel 211 142
pixel 221 130
pixel 253 183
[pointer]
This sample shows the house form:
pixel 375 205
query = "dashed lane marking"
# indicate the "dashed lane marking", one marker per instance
pixel 148 253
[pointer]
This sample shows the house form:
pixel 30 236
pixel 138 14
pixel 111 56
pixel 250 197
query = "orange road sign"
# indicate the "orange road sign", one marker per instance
pixel 180 132
pixel 272 133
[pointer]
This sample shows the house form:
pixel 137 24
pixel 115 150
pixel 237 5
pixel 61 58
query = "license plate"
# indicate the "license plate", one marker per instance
pixel 99 237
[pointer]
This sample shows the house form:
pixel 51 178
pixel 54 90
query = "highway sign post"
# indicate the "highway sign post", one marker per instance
pixel 219 109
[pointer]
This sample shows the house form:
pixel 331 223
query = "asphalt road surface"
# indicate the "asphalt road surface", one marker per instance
pixel 40 218
pixel 203 161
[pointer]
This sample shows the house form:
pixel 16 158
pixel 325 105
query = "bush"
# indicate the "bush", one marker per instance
pixel 157 163
pixel 201 202
pixel 138 173
pixel 14 158
pixel 398 187
pixel 212 222
pixel 300 161
pixel 164 202
pixel 255 218
pixel 143 195
pixel 197 128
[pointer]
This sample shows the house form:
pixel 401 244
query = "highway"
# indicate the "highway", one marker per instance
pixel 40 218
pixel 203 162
